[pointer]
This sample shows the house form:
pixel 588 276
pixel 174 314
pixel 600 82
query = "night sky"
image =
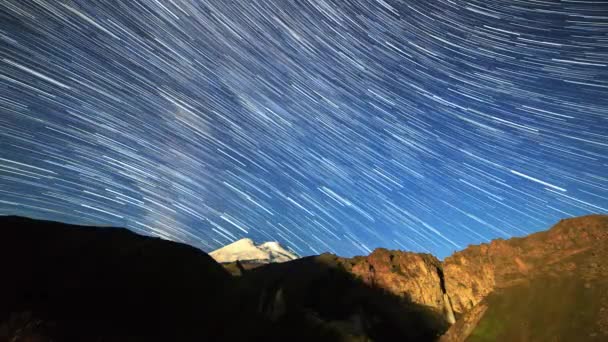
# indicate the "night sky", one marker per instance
pixel 326 125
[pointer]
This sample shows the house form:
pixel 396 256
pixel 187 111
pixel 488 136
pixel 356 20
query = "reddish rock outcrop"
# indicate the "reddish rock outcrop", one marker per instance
pixel 414 276
pixel 476 271
pixel 464 279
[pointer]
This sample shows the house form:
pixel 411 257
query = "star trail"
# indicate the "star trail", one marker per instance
pixel 326 125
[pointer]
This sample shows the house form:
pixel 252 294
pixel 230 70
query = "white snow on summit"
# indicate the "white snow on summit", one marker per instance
pixel 246 250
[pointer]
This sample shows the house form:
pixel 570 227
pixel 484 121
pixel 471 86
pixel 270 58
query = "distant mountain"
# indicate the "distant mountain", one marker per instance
pixel 245 250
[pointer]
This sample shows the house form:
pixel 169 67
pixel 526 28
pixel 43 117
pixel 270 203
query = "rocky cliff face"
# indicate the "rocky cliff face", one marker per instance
pixel 573 249
pixel 549 286
pixel 324 293
pixel 412 276
pixel 471 274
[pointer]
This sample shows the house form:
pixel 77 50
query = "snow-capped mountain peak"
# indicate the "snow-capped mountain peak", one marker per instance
pixel 247 250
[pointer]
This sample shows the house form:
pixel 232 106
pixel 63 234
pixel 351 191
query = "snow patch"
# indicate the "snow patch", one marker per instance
pixel 246 250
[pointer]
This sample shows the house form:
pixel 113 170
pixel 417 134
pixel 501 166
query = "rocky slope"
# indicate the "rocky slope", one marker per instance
pixel 322 292
pixel 413 276
pixel 483 285
pixel 473 273
pixel 549 286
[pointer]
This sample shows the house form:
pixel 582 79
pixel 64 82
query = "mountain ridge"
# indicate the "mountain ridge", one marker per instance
pixel 504 290
pixel 457 288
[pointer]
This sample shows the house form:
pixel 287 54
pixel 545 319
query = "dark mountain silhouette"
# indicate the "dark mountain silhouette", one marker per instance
pixel 72 283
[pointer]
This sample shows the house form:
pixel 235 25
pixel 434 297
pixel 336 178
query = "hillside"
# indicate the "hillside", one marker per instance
pixel 72 283
pixel 549 286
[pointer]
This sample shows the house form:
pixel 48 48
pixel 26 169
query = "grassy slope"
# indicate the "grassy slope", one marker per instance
pixel 570 307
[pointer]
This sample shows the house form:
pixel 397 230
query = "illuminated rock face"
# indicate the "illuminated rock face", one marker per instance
pixel 416 277
pixel 505 289
pixel 470 275
pixel 473 273
pixel 572 249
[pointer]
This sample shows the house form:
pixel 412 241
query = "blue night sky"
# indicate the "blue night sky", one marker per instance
pixel 326 125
